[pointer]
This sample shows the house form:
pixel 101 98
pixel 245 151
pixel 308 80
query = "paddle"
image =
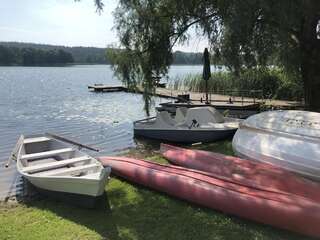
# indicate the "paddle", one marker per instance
pixel 72 142
pixel 15 150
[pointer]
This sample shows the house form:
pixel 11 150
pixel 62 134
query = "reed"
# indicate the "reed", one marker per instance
pixel 274 83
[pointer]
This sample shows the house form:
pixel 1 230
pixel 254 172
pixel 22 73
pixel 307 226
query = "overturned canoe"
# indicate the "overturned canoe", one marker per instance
pixel 288 139
pixel 241 171
pixel 278 209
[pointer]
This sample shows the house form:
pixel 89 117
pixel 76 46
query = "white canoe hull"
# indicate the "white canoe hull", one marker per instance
pixel 270 141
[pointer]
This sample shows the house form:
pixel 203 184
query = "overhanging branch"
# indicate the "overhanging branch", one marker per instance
pixel 179 34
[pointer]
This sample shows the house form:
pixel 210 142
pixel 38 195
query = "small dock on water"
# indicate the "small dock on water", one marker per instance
pixel 221 101
pixel 106 88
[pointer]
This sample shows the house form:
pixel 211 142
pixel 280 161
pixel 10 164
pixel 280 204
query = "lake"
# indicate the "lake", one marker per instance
pixel 56 99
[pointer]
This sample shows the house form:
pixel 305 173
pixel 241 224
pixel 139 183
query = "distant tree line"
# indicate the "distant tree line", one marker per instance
pixel 185 58
pixel 10 53
pixel 33 57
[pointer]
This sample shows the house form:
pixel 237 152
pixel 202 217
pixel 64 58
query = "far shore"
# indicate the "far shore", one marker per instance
pixel 76 64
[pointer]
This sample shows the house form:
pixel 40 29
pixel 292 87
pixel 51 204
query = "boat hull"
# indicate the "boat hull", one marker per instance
pixel 241 171
pixel 281 210
pixel 288 139
pixel 294 155
pixel 185 136
pixel 88 187
pixel 51 163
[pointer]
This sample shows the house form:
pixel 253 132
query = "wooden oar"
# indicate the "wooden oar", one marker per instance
pixel 72 142
pixel 14 153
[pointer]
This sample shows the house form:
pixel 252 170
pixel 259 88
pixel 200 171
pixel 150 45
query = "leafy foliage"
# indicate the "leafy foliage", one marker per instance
pixel 274 83
pixel 243 35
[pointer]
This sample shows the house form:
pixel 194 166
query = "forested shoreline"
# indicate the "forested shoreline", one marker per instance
pixel 31 54
pixel 33 57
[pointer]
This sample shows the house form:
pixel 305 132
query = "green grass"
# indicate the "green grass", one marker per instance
pixel 130 212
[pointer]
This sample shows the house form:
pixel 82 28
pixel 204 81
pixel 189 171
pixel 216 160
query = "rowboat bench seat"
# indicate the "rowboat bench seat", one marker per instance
pixel 36 140
pixel 40 161
pixel 46 154
pixel 57 164
pixel 72 171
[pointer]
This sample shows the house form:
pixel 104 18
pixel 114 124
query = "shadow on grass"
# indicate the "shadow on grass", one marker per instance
pixel 134 212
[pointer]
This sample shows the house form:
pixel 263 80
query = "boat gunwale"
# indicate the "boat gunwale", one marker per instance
pixel 25 174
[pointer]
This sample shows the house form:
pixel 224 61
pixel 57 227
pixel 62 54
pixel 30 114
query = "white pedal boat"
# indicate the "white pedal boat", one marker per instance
pixel 289 139
pixel 51 164
pixel 190 125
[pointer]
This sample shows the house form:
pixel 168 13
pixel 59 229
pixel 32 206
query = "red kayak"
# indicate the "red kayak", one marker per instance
pixel 282 210
pixel 241 171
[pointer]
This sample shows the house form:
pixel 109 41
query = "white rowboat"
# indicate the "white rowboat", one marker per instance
pixel 53 165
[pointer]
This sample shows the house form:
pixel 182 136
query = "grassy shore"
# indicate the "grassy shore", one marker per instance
pixel 130 212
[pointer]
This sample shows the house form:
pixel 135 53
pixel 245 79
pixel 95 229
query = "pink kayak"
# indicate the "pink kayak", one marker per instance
pixel 278 209
pixel 241 171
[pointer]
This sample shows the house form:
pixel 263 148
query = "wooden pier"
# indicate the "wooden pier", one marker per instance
pixel 219 101
pixel 106 88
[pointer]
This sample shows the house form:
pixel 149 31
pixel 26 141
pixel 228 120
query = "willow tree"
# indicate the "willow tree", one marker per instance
pixel 244 34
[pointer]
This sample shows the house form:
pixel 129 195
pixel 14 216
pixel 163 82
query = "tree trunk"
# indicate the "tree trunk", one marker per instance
pixel 310 56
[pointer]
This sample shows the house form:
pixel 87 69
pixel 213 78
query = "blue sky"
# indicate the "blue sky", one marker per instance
pixel 65 22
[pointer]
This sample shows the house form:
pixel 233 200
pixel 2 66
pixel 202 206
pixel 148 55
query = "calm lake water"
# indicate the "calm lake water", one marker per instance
pixel 56 99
